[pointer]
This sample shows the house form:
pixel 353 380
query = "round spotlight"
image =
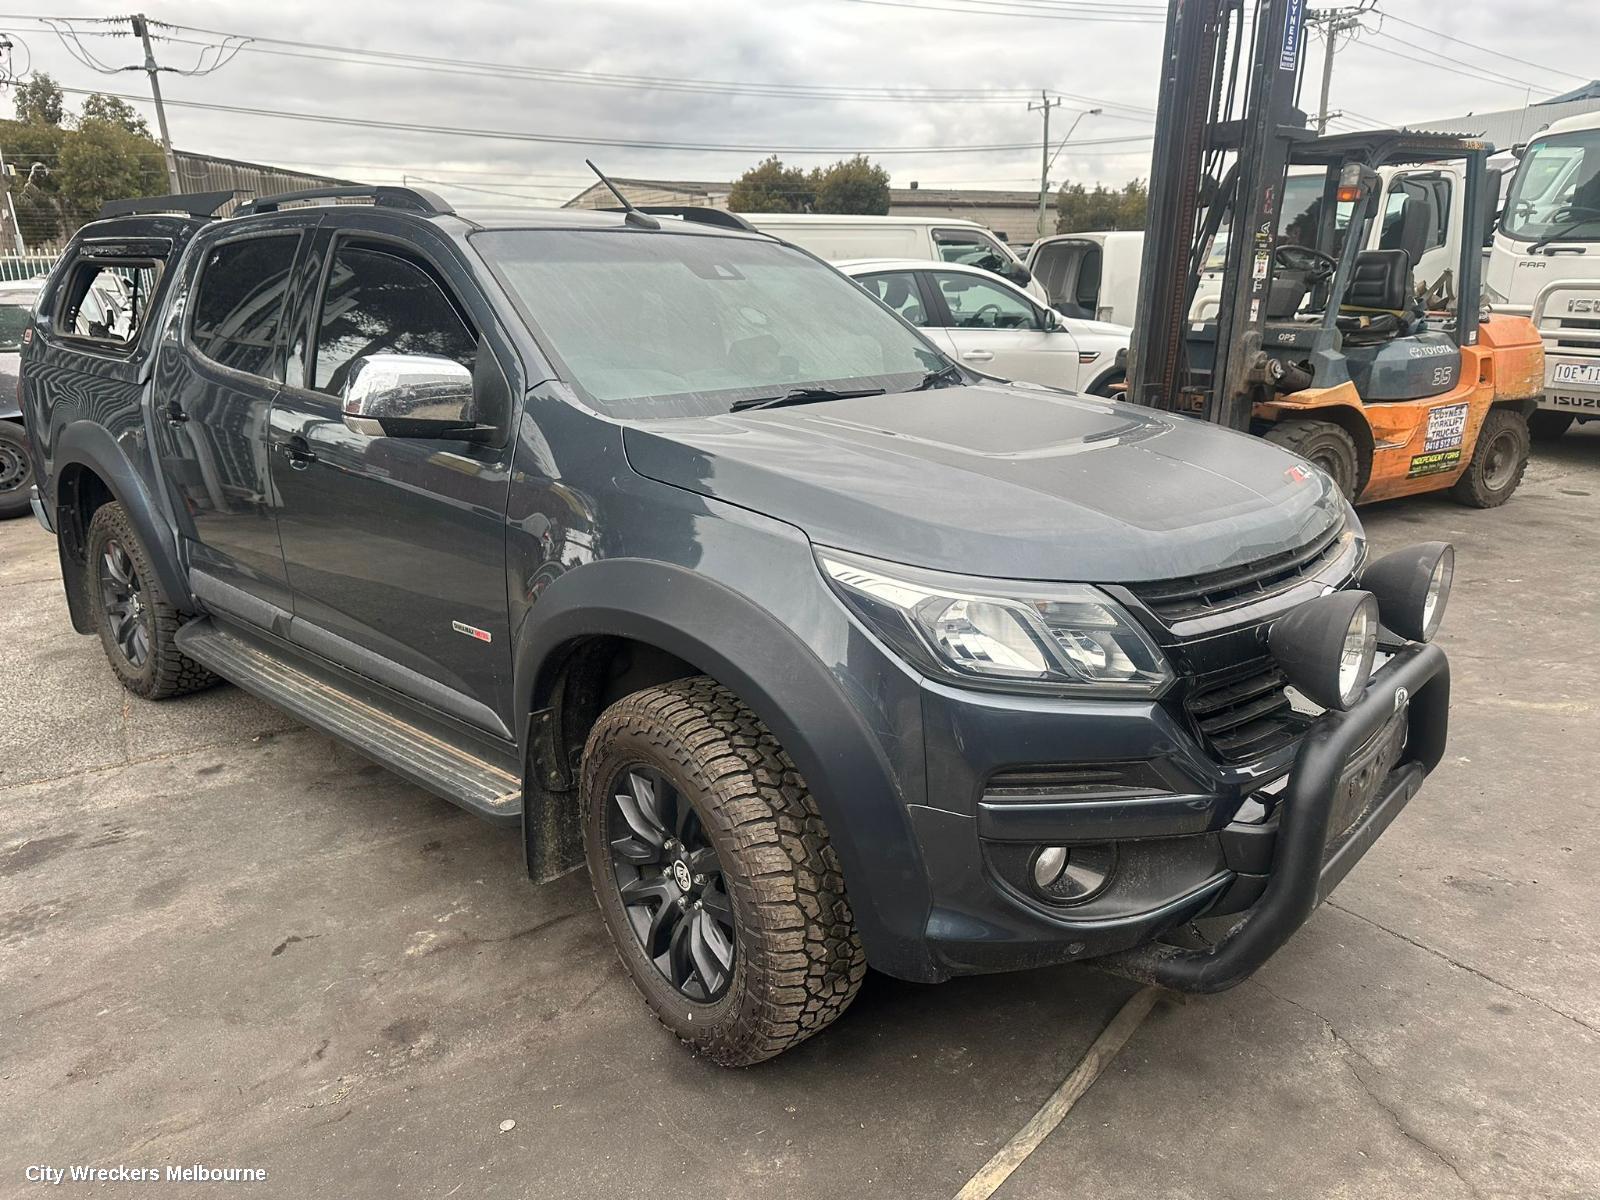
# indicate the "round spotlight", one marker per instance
pixel 1326 646
pixel 1412 587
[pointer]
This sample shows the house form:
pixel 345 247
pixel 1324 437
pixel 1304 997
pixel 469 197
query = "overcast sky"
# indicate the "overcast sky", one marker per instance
pixel 832 43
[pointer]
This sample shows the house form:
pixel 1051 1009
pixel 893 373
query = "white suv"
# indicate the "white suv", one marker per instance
pixel 995 327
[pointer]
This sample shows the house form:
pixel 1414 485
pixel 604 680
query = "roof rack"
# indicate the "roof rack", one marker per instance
pixel 695 213
pixel 193 204
pixel 412 199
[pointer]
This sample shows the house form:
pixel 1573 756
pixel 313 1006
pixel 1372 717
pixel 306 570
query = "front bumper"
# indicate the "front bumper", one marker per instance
pixel 1266 842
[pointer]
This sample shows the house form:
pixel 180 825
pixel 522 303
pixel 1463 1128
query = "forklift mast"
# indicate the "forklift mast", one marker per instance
pixel 1226 125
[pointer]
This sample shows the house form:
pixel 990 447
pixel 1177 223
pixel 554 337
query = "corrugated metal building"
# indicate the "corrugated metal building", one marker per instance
pixel 1010 213
pixel 208 173
pixel 1509 127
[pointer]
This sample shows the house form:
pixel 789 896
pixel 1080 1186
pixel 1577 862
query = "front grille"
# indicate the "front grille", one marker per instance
pixel 1177 599
pixel 1245 714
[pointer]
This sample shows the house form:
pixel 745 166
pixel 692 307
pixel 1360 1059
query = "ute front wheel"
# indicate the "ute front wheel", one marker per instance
pixel 714 874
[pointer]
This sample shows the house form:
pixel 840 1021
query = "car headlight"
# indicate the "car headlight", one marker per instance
pixel 1412 587
pixel 1001 634
pixel 1326 647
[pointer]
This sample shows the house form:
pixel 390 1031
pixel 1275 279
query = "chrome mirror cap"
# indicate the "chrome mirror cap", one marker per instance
pixel 407 395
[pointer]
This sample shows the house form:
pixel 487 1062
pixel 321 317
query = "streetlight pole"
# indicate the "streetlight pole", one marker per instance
pixel 1043 107
pixel 1044 182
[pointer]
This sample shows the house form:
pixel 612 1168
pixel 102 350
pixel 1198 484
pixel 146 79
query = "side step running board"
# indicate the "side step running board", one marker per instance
pixel 403 747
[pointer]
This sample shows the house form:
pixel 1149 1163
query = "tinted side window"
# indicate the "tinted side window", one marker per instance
pixel 107 303
pixel 238 304
pixel 378 302
pixel 899 292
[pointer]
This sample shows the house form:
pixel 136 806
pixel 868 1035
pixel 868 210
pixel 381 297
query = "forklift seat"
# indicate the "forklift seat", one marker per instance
pixel 1380 302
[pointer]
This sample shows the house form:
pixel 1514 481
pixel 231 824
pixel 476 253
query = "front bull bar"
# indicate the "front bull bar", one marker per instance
pixel 1303 873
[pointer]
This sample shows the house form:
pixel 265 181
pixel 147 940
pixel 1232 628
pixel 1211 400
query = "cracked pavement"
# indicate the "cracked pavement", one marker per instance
pixel 226 939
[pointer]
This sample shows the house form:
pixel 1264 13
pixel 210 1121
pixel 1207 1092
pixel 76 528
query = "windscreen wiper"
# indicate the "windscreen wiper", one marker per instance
pixel 802 395
pixel 949 373
pixel 1556 234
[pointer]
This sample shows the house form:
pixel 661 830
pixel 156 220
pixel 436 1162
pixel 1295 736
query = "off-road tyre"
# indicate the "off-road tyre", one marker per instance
pixel 16 470
pixel 1499 457
pixel 797 960
pixel 165 670
pixel 1325 445
pixel 1547 426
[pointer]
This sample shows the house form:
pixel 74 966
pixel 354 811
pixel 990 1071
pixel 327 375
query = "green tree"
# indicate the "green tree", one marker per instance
pixel 769 186
pixel 1080 208
pixel 120 113
pixel 39 100
pixel 852 185
pixel 102 161
pixel 34 191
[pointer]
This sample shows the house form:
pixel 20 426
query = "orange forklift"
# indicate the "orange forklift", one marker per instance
pixel 1318 344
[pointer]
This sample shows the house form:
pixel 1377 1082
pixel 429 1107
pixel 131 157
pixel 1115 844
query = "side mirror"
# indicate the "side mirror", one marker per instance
pixel 1018 274
pixel 1050 320
pixel 411 396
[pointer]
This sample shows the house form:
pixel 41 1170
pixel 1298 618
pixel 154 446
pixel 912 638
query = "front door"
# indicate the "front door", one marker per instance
pixel 395 547
pixel 217 372
pixel 998 330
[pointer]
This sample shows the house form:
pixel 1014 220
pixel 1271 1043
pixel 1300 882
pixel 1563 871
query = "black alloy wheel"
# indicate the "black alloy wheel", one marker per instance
pixel 16 470
pixel 670 882
pixel 126 607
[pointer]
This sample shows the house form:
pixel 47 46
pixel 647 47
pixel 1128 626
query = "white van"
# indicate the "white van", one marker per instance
pixel 848 238
pixel 1094 276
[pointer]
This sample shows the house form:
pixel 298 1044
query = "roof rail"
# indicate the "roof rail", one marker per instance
pixel 193 204
pixel 695 213
pixel 413 199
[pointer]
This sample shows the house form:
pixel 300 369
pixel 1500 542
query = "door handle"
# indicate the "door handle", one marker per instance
pixel 175 414
pixel 979 356
pixel 298 451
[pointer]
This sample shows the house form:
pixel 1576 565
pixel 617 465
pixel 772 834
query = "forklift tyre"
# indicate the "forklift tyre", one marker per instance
pixel 1547 426
pixel 1325 445
pixel 1498 460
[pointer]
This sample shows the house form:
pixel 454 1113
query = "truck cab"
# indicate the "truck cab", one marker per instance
pixel 1544 264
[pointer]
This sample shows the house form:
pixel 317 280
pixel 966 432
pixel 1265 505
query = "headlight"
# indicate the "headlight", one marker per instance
pixel 1326 646
pixel 1048 637
pixel 1412 587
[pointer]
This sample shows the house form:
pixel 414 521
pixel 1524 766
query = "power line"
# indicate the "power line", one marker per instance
pixel 579 140
pixel 1485 49
pixel 1520 85
pixel 1107 14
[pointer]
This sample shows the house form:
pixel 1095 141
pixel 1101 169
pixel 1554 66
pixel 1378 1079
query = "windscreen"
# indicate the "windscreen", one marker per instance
pixel 674 325
pixel 1556 194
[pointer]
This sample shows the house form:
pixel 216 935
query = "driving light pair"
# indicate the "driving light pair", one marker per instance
pixel 1326 646
pixel 1068 638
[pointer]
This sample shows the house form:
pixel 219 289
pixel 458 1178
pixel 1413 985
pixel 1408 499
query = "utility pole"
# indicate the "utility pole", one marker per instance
pixel 141 27
pixel 1044 106
pixel 1332 22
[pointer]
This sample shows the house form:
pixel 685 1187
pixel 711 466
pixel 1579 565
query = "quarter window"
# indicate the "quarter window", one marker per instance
pixel 378 302
pixel 108 303
pixel 238 304
pixel 899 292
pixel 975 303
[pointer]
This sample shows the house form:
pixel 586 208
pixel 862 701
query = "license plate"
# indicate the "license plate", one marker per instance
pixel 1364 775
pixel 1572 372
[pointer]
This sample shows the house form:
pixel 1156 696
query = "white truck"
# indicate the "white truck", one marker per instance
pixel 1545 264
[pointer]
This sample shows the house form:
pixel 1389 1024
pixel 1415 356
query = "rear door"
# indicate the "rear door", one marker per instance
pixel 395 547
pixel 219 368
pixel 999 330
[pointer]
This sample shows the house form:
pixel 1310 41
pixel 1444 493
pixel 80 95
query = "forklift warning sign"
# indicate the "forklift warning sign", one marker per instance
pixel 1441 449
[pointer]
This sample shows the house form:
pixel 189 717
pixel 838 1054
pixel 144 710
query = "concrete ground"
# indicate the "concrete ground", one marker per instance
pixel 225 939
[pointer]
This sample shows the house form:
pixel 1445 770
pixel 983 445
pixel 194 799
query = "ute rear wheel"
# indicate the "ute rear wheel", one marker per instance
pixel 714 874
pixel 135 620
pixel 1498 460
pixel 16 470
pixel 1547 426
pixel 1326 445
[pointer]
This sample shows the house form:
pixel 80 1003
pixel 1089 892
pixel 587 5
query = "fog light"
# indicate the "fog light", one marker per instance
pixel 1048 865
pixel 1326 647
pixel 1073 875
pixel 1412 587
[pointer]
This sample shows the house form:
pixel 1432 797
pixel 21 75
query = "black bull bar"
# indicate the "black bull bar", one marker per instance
pixel 1303 870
